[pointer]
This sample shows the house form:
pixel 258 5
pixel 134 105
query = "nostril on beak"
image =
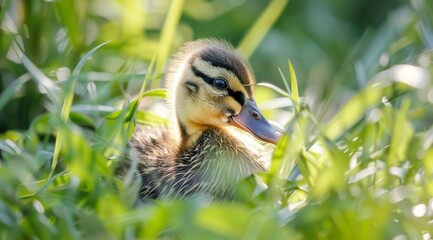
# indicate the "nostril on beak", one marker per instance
pixel 255 115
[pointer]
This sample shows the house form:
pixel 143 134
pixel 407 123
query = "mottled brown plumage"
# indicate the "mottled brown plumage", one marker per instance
pixel 202 150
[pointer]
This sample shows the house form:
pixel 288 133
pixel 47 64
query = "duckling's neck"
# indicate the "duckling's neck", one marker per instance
pixel 187 133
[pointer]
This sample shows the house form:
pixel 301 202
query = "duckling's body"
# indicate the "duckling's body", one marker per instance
pixel 211 166
pixel 200 152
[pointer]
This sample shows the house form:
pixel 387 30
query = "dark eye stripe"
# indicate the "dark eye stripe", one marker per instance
pixel 201 75
pixel 238 96
pixel 222 59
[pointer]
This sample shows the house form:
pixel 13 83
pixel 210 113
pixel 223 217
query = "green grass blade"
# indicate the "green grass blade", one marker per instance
pixel 72 81
pixel 144 84
pixel 52 90
pixel 279 91
pixel 402 133
pixel 259 29
pixel 72 20
pixel 284 80
pixel 352 111
pixel 149 118
pixel 142 94
pixel 161 93
pixel 275 88
pixel 44 184
pixel 118 126
pixel 167 35
pixel 4 9
pixel 67 103
pixel 294 85
pixel 9 92
pixel 83 60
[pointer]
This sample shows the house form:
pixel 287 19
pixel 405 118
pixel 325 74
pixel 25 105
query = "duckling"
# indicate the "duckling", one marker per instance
pixel 204 149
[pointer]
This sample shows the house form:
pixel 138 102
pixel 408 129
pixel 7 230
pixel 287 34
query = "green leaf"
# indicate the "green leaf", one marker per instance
pixel 9 92
pixel 161 93
pixel 402 133
pixel 354 109
pixel 261 26
pixel 4 8
pixel 294 85
pixel 42 124
pixel 71 19
pixel 10 147
pixel 277 89
pixel 52 90
pixel 284 80
pixel 67 103
pixel 168 34
pixel 148 118
pixel 82 120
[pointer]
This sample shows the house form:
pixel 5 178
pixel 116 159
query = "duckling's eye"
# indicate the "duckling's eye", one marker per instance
pixel 220 84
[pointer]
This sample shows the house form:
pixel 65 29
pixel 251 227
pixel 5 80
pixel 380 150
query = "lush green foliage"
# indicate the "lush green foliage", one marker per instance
pixel 356 161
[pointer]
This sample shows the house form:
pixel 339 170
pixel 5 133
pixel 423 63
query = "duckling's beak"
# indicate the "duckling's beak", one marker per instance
pixel 251 119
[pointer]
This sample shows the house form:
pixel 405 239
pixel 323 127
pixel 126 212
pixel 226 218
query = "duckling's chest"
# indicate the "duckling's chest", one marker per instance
pixel 214 165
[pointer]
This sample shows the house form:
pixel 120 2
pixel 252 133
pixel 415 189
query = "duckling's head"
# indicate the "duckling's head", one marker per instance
pixel 211 85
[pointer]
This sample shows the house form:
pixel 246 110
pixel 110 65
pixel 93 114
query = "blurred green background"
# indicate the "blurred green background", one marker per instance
pixel 356 161
pixel 323 39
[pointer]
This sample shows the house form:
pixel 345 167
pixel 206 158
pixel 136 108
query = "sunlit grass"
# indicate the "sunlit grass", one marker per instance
pixel 259 29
